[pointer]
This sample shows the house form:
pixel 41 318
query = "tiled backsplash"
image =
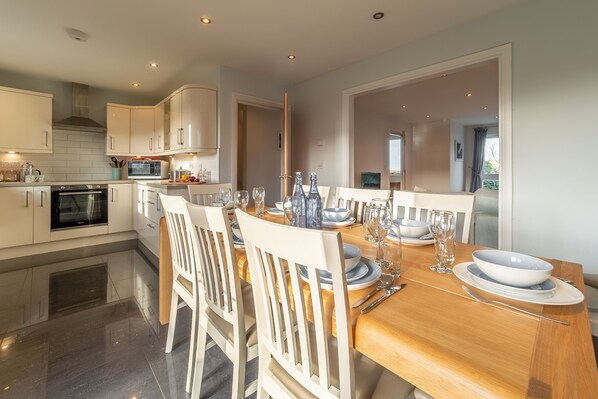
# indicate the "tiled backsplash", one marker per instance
pixel 76 156
pixel 79 156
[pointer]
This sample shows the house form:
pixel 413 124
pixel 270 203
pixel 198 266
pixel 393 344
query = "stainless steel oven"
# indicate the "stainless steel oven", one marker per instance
pixel 79 206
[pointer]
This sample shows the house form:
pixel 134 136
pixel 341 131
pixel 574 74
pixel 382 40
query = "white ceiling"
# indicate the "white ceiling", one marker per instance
pixel 441 98
pixel 253 36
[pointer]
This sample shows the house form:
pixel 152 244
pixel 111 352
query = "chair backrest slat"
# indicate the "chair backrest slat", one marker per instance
pixel 297 333
pixel 416 205
pixel 357 198
pixel 198 193
pixel 219 268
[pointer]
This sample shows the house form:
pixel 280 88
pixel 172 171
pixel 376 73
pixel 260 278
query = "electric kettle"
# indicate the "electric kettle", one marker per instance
pixel 27 170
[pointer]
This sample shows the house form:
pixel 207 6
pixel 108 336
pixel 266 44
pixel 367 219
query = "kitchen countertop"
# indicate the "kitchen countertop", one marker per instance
pixel 155 183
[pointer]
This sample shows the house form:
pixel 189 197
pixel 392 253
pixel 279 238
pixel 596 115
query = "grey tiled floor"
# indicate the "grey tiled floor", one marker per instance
pixel 109 351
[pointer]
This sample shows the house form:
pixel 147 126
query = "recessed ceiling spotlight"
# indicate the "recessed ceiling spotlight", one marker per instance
pixel 485 108
pixel 153 64
pixel 135 84
pixel 77 34
pixel 205 20
pixel 291 56
pixel 378 15
pixel 427 116
pixel 496 117
pixel 404 106
pixel 468 94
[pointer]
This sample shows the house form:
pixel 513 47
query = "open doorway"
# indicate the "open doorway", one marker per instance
pixel 259 149
pixel 501 57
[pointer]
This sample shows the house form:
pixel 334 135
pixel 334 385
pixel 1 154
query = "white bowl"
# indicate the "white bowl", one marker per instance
pixel 410 228
pixel 336 214
pixel 512 268
pixel 352 256
pixel 279 205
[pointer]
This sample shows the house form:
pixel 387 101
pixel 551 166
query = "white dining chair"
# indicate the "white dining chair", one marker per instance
pixel 416 205
pixel 229 316
pixel 324 192
pixel 184 254
pixel 357 198
pixel 198 193
pixel 300 358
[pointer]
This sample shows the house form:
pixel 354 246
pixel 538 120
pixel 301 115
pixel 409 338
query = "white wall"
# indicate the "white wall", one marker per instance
pixel 555 81
pixel 457 170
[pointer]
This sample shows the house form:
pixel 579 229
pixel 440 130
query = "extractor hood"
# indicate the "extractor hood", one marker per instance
pixel 80 120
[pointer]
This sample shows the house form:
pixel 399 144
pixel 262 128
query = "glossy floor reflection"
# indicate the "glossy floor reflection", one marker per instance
pixel 109 350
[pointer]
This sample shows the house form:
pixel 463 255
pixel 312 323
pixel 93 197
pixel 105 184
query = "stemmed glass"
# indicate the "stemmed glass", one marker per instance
pixel 442 227
pixel 287 207
pixel 374 203
pixel 224 195
pixel 378 223
pixel 241 199
pixel 259 193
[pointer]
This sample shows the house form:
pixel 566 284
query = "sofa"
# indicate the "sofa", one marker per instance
pixel 484 229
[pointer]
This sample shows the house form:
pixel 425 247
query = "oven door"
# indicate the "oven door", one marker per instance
pixel 79 208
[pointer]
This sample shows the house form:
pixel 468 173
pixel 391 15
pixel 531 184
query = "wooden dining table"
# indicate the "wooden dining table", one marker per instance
pixel 432 334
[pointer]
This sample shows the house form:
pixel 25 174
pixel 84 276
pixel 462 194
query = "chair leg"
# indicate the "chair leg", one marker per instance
pixel 200 353
pixel 263 359
pixel 192 352
pixel 172 322
pixel 239 367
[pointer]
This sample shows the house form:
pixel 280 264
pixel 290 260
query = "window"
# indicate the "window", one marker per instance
pixel 491 163
pixel 395 143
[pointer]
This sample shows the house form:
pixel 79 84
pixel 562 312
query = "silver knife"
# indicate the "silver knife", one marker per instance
pixel 365 298
pixel 378 301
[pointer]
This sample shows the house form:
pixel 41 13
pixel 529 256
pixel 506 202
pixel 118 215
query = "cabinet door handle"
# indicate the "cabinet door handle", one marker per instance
pixel 112 195
pixel 42 196
pixel 150 202
pixel 27 199
pixel 47 138
pixel 150 226
pixel 151 144
pixel 159 142
pixel 158 207
pixel 111 142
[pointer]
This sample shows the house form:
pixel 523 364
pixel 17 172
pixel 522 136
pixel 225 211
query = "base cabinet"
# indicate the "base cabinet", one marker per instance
pixel 25 215
pixel 120 207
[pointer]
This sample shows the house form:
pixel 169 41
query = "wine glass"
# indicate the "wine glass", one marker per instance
pixel 287 207
pixel 241 199
pixel 378 223
pixel 224 195
pixel 259 193
pixel 376 202
pixel 442 227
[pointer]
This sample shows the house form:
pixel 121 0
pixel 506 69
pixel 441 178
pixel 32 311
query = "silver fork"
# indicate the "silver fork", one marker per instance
pixel 486 300
pixel 385 282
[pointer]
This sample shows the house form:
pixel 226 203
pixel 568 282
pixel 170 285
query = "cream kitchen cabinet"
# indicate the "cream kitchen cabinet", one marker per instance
pixel 118 135
pixel 25 215
pixel 145 218
pixel 159 138
pixel 193 119
pixel 120 207
pixel 25 121
pixel 142 130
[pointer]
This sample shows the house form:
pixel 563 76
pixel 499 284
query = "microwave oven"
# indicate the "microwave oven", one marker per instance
pixel 147 169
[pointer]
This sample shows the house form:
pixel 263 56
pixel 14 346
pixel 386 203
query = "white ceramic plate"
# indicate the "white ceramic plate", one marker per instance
pixel 360 270
pixel 546 288
pixel 275 212
pixel 565 294
pixel 333 225
pixel 372 275
pixel 410 241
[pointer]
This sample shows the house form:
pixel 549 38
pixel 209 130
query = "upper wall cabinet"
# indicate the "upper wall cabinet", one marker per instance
pixel 118 121
pixel 192 119
pixel 25 121
pixel 142 131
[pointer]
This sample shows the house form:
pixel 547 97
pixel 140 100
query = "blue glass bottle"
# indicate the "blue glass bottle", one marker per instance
pixel 314 205
pixel 299 204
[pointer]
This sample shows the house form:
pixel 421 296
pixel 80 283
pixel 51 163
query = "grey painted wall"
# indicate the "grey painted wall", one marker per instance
pixel 555 81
